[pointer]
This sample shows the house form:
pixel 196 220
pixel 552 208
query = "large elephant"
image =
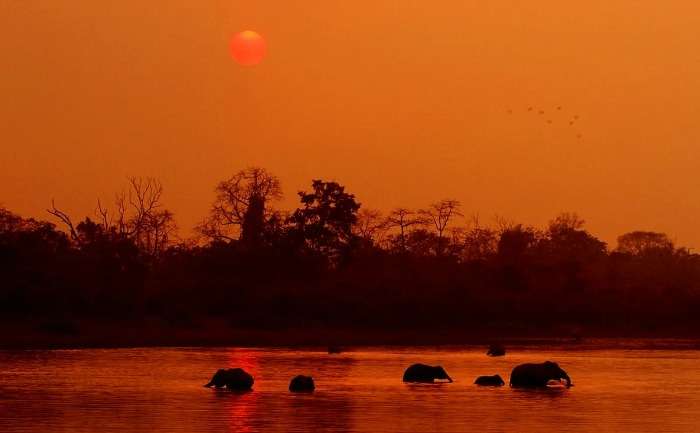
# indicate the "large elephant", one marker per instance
pixel 235 379
pixel 537 375
pixel 425 373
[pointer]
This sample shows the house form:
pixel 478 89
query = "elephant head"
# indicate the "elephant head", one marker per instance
pixel 219 379
pixel 440 373
pixel 425 373
pixel 556 373
pixel 537 375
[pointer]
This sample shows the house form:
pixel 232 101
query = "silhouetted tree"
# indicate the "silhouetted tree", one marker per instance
pixel 326 219
pixel 514 243
pixel 439 214
pixel 241 209
pixel 566 240
pixel 403 219
pixel 421 242
pixel 569 253
pixel 640 242
pixel 138 216
pixel 369 225
pixel 480 243
pixel 31 265
pixel 565 222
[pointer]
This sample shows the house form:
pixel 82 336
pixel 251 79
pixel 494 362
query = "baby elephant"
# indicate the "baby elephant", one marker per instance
pixel 234 379
pixel 494 380
pixel 537 375
pixel 425 373
pixel 302 384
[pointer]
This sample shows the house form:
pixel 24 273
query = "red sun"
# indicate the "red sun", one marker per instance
pixel 248 48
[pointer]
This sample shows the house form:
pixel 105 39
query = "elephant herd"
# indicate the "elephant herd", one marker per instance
pixel 529 375
pixel 523 376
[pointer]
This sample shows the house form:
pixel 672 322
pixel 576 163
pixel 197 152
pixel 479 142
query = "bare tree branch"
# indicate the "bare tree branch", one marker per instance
pixel 233 199
pixel 103 214
pixel 403 219
pixel 440 214
pixel 65 218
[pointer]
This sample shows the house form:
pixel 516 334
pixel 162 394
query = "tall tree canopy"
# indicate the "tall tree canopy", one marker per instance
pixel 325 220
pixel 242 208
pixel 640 242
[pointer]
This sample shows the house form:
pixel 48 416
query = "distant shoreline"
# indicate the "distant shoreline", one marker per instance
pixel 100 334
pixel 330 273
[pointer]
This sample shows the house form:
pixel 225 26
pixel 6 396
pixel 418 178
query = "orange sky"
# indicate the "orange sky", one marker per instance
pixel 405 102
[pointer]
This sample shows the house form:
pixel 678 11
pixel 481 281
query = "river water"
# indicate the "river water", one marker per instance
pixel 618 388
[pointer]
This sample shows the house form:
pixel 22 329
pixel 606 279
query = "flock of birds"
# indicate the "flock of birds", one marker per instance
pixel 558 111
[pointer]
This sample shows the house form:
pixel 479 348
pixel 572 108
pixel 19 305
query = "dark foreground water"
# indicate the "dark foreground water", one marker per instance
pixel 160 390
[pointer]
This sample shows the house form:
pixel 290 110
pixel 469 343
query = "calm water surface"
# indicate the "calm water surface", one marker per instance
pixel 160 390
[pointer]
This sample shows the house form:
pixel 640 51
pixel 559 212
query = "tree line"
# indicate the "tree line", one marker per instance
pixel 333 262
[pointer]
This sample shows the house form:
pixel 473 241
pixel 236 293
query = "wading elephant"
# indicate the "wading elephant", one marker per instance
pixel 302 383
pixel 537 375
pixel 234 378
pixel 495 380
pixel 334 349
pixel 425 373
pixel 496 350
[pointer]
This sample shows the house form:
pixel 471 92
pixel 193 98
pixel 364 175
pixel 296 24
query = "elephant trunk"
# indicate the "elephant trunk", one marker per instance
pixel 568 380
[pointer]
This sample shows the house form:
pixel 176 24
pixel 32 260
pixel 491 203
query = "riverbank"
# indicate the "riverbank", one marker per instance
pixel 69 334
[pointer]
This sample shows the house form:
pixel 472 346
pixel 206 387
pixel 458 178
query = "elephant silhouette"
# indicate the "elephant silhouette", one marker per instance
pixel 495 380
pixel 496 350
pixel 425 373
pixel 302 383
pixel 537 375
pixel 235 379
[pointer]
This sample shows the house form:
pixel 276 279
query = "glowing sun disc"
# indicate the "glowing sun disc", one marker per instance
pixel 248 48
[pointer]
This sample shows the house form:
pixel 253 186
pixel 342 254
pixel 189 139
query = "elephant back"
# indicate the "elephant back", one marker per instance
pixel 536 375
pixel 424 373
pixel 302 383
pixel 239 379
pixel 232 378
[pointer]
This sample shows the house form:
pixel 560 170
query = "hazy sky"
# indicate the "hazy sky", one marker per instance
pixel 405 102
